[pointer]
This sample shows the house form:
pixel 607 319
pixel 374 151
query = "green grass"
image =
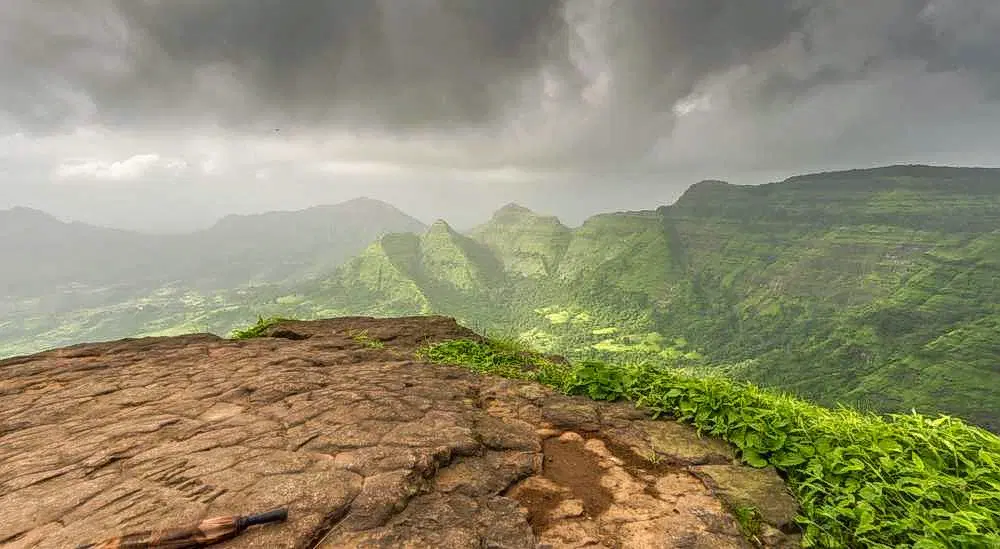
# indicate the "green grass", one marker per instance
pixel 363 338
pixel 749 519
pixel 258 329
pixel 862 480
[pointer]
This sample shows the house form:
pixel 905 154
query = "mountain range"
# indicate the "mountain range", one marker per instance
pixel 44 256
pixel 878 288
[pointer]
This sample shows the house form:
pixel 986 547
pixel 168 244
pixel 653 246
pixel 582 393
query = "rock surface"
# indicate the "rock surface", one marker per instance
pixel 366 446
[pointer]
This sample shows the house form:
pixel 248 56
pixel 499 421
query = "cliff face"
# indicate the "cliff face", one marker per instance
pixel 365 444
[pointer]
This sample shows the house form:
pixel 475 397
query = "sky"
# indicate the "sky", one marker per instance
pixel 164 115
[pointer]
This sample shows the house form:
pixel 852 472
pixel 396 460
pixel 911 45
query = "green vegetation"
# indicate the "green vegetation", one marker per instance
pixel 258 329
pixel 877 289
pixel 861 480
pixel 874 289
pixel 363 338
pixel 749 519
pixel 503 357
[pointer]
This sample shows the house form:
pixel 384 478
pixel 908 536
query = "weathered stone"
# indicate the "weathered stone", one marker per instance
pixel 491 474
pixel 571 413
pixel 365 446
pixel 508 434
pixel 683 444
pixel 760 488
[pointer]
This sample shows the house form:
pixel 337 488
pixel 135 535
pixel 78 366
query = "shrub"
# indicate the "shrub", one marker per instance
pixel 258 329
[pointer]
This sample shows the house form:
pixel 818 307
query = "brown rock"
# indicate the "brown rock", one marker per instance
pixel 683 444
pixel 760 488
pixel 365 445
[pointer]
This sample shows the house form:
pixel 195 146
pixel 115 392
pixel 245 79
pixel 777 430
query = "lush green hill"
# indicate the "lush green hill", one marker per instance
pixel 878 288
pixel 854 286
pixel 872 287
pixel 527 244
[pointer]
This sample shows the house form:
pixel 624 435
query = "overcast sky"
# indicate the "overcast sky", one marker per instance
pixel 167 114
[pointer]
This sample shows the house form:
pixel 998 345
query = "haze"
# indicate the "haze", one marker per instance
pixel 166 115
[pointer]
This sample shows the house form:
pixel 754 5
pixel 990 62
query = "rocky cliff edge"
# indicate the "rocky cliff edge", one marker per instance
pixel 365 444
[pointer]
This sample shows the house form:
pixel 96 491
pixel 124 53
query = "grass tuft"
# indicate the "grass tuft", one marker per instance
pixel 749 519
pixel 363 338
pixel 258 329
pixel 861 480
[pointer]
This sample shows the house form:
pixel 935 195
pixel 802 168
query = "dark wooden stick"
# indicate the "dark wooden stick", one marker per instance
pixel 206 532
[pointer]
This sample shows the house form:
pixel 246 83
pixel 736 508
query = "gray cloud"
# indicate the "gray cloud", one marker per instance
pixel 450 64
pixel 398 65
pixel 492 90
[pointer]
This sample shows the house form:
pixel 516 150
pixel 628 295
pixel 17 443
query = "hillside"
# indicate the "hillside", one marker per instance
pixel 878 288
pixel 66 282
pixel 44 256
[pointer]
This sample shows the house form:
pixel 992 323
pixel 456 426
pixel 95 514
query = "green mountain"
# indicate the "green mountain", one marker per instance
pixel 527 244
pixel 43 256
pixel 877 288
pixel 62 283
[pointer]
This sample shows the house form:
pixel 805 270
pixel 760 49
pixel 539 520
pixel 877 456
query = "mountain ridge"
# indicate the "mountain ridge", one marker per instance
pixel 806 292
pixel 264 247
pixel 828 286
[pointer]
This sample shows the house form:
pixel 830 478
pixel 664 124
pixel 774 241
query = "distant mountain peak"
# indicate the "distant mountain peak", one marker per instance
pixel 25 211
pixel 513 212
pixel 514 207
pixel 360 200
pixel 440 225
pixel 704 183
pixel 706 189
pixel 899 170
pixel 24 216
pixel 440 231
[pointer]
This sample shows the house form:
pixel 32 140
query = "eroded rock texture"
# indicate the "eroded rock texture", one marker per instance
pixel 366 445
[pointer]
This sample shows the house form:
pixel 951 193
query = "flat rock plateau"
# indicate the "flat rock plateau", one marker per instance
pixel 365 444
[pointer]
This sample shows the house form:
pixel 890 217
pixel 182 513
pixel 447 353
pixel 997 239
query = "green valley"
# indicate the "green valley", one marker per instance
pixel 875 288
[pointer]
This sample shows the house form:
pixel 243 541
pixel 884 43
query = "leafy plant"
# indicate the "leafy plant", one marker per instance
pixel 258 329
pixel 862 480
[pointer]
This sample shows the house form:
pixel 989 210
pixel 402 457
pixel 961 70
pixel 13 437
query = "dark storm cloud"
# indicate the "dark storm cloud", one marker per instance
pixel 408 64
pixel 591 80
pixel 850 40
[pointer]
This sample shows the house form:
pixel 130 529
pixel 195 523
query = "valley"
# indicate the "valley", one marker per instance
pixel 878 289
